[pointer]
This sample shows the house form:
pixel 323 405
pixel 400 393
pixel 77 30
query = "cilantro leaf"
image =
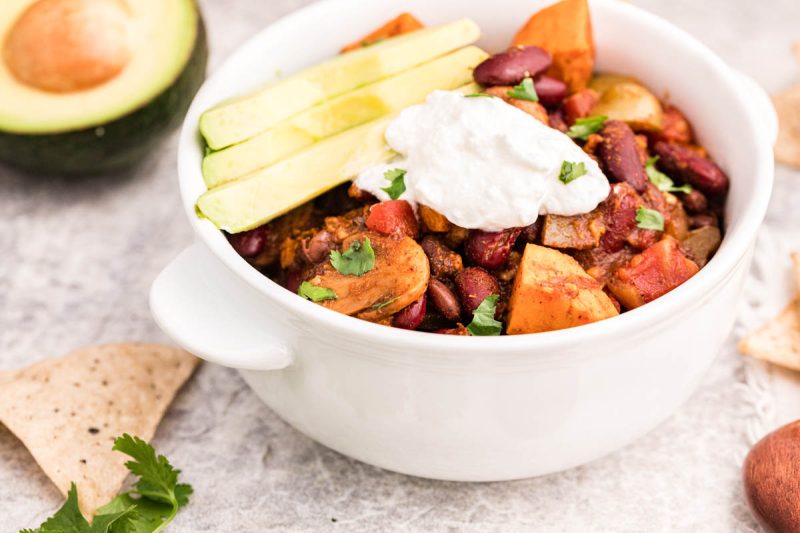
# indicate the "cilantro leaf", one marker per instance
pixel 356 260
pixel 483 322
pixel 398 184
pixel 309 291
pixel 479 95
pixel 661 180
pixel 583 127
pixel 381 305
pixel 571 171
pixel 524 91
pixel 649 219
pixel 69 519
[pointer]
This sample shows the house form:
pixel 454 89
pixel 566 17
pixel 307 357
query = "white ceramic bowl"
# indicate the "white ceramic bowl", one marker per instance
pixel 471 408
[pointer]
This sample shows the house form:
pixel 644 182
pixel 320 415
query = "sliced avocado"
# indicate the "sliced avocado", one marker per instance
pixel 257 198
pixel 338 114
pixel 95 91
pixel 242 118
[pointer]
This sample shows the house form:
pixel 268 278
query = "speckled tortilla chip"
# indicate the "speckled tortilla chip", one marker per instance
pixel 68 411
pixel 787 105
pixel 778 341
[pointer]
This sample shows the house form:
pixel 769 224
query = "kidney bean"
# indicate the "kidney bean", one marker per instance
pixel 411 317
pixel 531 233
pixel 317 248
pixel 444 261
pixel 490 249
pixel 556 120
pixel 694 202
pixel 459 330
pixel 619 155
pixel 512 66
pixel 443 299
pixel 579 105
pixel 249 243
pixel 473 285
pixel 701 221
pixel 551 91
pixel 685 164
pixel 292 279
pixel 619 215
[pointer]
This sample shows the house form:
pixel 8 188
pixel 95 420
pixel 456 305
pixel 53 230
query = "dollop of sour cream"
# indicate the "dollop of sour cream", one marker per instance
pixel 484 164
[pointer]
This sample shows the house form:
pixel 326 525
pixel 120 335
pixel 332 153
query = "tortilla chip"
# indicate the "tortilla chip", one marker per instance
pixel 787 105
pixel 68 411
pixel 778 341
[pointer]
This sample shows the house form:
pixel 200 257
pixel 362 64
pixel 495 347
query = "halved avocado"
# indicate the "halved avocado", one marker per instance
pixel 93 85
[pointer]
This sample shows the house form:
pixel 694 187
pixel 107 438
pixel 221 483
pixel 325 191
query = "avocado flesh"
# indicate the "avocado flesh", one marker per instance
pixel 163 37
pixel 240 119
pixel 341 113
pixel 256 199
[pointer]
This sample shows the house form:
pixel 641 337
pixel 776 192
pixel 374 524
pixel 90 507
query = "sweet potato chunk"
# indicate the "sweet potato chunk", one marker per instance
pixel 652 273
pixel 403 23
pixel 565 30
pixel 552 291
pixel 399 278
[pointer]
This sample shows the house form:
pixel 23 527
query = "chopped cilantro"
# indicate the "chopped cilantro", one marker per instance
pixel 356 260
pixel 309 291
pixel 397 185
pixel 151 505
pixel 661 180
pixel 571 171
pixel 524 91
pixel 381 305
pixel 483 322
pixel 478 95
pixel 583 127
pixel 649 219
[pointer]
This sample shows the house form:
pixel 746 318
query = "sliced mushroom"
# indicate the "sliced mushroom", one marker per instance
pixel 399 278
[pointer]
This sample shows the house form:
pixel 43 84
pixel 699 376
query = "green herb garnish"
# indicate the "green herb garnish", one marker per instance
pixel 483 323
pixel 571 171
pixel 524 91
pixel 381 305
pixel 356 260
pixel 583 127
pixel 309 291
pixel 661 180
pixel 151 505
pixel 479 95
pixel 649 219
pixel 397 186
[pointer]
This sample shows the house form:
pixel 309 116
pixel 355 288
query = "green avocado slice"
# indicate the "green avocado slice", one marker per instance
pixel 235 121
pixel 341 113
pixel 257 198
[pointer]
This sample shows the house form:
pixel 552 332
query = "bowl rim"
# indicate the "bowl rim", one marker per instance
pixel 658 313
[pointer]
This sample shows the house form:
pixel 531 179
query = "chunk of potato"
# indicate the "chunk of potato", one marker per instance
pixel 403 23
pixel 565 30
pixel 399 278
pixel 552 291
pixel 701 243
pixel 578 232
pixel 623 99
pixel 433 220
pixel 652 273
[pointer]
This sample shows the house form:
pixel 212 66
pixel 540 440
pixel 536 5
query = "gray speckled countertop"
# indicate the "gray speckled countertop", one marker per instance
pixel 76 261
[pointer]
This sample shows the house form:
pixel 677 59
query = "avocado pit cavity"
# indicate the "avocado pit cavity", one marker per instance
pixel 64 46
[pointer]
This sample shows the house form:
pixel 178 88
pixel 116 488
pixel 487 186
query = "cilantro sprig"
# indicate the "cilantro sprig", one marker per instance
pixel 524 91
pixel 583 127
pixel 571 171
pixel 483 323
pixel 661 180
pixel 312 292
pixel 649 219
pixel 356 260
pixel 397 183
pixel 148 508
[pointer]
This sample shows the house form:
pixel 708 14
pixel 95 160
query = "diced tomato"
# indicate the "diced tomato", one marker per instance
pixel 579 105
pixel 652 273
pixel 393 217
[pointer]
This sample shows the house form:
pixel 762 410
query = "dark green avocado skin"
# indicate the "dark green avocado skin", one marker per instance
pixel 115 145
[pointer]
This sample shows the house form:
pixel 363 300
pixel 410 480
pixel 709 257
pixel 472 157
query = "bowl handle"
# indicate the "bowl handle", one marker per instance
pixel 207 311
pixel 762 103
